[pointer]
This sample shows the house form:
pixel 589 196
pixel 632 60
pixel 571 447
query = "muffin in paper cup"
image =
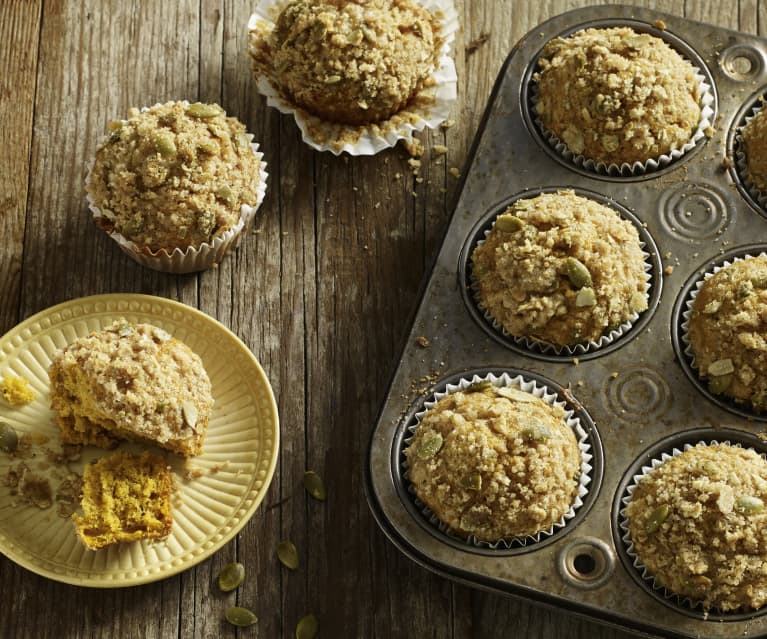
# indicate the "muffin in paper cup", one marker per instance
pixel 571 148
pixel 728 363
pixel 167 211
pixel 551 448
pixel 694 526
pixel 333 122
pixel 550 209
pixel 754 124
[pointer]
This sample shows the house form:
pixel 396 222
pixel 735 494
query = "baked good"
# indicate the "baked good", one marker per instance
pixel 125 497
pixel 353 62
pixel 16 391
pixel 131 381
pixel 754 143
pixel 561 269
pixel 174 176
pixel 698 523
pixel 727 331
pixel 617 96
pixel 495 462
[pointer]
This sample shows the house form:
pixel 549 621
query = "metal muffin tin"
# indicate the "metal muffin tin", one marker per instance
pixel 639 392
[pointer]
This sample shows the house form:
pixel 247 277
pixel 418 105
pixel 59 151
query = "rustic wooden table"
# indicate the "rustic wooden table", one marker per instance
pixel 321 291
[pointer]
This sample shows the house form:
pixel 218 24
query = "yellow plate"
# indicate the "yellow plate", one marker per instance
pixel 236 465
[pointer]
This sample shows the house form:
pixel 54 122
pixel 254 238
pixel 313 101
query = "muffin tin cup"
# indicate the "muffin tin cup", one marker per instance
pixel 658 455
pixel 430 108
pixel 194 258
pixel 707 104
pixel 757 197
pixel 576 419
pixel 682 314
pixel 612 338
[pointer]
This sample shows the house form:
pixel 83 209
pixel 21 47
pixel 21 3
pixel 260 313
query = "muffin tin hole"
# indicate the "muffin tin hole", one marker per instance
pixel 667 446
pixel 589 442
pixel 680 342
pixel 736 150
pixel 652 168
pixel 586 563
pixel 741 62
pixel 550 352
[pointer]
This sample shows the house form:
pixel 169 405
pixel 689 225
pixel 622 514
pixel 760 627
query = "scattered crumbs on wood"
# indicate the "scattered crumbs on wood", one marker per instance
pixel 419 180
pixel 415 148
pixel 576 361
pixel 397 176
pixel 668 270
pixel 659 24
pixel 476 43
pixel 455 171
pixel 415 165
pixel 614 374
pixel 439 149
pixel 447 124
pixel 422 341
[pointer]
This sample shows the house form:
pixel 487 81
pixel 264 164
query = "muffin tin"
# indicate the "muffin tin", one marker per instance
pixel 637 394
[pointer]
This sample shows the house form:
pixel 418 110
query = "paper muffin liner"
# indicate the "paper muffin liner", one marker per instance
pixel 570 350
pixel 194 258
pixel 647 576
pixel 428 110
pixel 542 392
pixel 706 104
pixel 684 328
pixel 741 160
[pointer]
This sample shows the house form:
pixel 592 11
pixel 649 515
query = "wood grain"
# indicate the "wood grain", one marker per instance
pixel 321 289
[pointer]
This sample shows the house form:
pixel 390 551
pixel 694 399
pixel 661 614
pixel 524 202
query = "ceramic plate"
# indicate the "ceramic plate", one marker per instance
pixel 218 491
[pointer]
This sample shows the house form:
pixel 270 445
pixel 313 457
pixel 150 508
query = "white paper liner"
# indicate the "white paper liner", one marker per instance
pixel 194 258
pixel 551 398
pixel 741 159
pixel 571 350
pixel 647 576
pixel 368 139
pixel 687 313
pixel 637 168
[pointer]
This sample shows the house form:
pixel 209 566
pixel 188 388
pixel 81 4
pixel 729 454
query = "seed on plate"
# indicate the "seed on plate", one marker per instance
pixel 287 554
pixel 238 616
pixel 314 485
pixel 231 576
pixel 307 627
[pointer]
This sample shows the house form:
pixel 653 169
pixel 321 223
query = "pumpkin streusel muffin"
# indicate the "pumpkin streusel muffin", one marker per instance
pixel 125 497
pixel 727 331
pixel 755 143
pixel 495 462
pixel 698 523
pixel 560 269
pixel 131 381
pixel 617 96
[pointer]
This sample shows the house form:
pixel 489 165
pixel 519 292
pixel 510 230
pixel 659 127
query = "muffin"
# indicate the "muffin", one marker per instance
pixel 698 524
pixel 353 62
pixel 134 382
pixel 616 96
pixel 754 143
pixel 727 332
pixel 495 462
pixel 125 497
pixel 175 177
pixel 560 269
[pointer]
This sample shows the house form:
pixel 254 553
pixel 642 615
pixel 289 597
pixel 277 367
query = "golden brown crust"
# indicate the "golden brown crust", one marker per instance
pixel 617 96
pixel 698 523
pixel 727 329
pixel 523 273
pixel 507 465
pixel 131 381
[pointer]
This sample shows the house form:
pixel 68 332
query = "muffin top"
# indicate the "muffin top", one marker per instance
pixel 728 329
pixel 174 176
pixel 560 268
pixel 353 62
pixel 617 96
pixel 755 142
pixel 495 462
pixel 699 524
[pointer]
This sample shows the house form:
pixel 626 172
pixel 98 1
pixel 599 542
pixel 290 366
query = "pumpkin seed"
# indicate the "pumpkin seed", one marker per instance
pixel 537 431
pixel 472 481
pixel 748 505
pixel 585 297
pixel 242 142
pixel 208 146
pixel 332 79
pixel 516 395
pixel 287 554
pixel 577 273
pixel 508 223
pixel 430 446
pixel 719 384
pixel 189 411
pixel 478 387
pixel 231 576
pixel 307 627
pixel 314 485
pixel 165 145
pixel 656 518
pixel 9 440
pixel 204 111
pixel 225 193
pixel 721 367
pixel 238 616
